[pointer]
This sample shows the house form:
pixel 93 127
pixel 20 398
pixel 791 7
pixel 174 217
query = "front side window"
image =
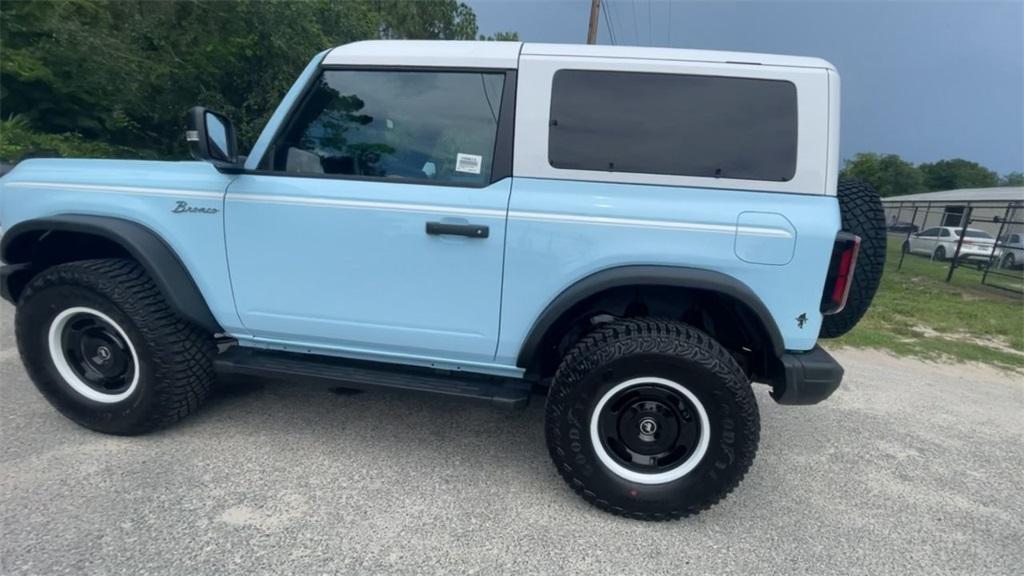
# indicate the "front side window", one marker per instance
pixel 930 232
pixel 416 125
pixel 674 124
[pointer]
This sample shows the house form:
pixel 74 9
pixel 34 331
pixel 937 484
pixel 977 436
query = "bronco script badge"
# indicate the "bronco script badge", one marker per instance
pixel 183 207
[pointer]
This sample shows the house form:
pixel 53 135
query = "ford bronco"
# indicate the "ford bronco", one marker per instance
pixel 638 233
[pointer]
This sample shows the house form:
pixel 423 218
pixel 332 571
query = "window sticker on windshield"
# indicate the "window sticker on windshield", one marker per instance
pixel 468 163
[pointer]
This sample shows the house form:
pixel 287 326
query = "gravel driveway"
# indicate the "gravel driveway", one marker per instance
pixel 911 468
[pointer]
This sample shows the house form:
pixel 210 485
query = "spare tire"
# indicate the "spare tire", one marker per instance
pixel 862 214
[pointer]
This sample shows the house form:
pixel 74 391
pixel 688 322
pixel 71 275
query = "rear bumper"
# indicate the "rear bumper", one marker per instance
pixel 807 377
pixel 982 256
pixel 976 251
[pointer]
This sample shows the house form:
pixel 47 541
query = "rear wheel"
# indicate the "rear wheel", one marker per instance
pixel 1009 261
pixel 103 347
pixel 940 253
pixel 651 419
pixel 862 214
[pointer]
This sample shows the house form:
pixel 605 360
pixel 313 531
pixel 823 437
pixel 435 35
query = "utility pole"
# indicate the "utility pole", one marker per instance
pixel 595 9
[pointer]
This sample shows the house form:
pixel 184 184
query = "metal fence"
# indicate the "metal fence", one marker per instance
pixel 985 236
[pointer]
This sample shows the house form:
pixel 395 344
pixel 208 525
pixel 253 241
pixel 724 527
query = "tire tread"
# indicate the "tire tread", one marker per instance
pixel 650 336
pixel 862 213
pixel 182 353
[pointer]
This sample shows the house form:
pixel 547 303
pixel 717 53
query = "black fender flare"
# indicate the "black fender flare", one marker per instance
pixel 677 276
pixel 142 244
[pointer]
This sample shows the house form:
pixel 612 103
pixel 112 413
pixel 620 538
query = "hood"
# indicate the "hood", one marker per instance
pixel 88 175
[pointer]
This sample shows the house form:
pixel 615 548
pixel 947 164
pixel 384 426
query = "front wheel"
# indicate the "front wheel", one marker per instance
pixel 940 254
pixel 104 348
pixel 1008 261
pixel 651 419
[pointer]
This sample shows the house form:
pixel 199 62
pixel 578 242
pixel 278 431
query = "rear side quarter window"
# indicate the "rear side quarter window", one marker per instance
pixel 673 124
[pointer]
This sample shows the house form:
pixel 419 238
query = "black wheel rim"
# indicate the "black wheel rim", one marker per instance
pixel 97 353
pixel 649 428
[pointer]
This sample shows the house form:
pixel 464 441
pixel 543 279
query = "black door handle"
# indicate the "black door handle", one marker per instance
pixel 446 229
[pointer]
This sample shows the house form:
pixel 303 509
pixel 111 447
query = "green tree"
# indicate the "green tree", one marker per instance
pixel 17 140
pixel 502 37
pixel 957 173
pixel 888 173
pixel 121 73
pixel 124 72
pixel 426 19
pixel 1012 179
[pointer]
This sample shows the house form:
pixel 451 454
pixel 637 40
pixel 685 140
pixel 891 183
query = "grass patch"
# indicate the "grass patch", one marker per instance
pixel 916 313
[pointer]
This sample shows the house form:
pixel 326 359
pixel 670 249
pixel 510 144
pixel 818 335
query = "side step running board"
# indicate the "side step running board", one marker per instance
pixel 502 392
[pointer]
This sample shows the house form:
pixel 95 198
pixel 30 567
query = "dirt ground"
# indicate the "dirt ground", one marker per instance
pixel 910 468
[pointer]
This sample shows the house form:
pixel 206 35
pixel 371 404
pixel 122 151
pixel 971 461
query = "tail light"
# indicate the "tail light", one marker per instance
pixel 840 273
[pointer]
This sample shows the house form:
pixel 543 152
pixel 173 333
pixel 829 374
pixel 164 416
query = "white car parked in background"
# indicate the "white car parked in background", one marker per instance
pixel 940 243
pixel 1012 248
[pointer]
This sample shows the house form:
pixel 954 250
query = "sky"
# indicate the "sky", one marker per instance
pixel 923 79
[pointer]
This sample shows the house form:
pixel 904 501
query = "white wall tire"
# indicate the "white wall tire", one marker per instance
pixel 158 367
pixel 70 376
pixel 681 468
pixel 600 381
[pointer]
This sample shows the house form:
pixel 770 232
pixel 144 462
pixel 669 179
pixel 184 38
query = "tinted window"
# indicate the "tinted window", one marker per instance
pixel 969 233
pixel 673 124
pixel 930 232
pixel 944 233
pixel 437 126
pixel 1014 238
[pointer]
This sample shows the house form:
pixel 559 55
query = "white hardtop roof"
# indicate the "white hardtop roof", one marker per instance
pixel 505 55
pixel 649 53
pixel 457 53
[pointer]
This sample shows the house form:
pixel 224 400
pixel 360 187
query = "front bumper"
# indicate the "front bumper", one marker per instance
pixel 806 377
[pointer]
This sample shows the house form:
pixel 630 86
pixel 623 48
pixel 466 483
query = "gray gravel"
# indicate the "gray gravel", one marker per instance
pixel 911 468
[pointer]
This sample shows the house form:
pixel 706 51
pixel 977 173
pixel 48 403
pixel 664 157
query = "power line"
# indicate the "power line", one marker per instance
pixel 636 28
pixel 612 11
pixel 608 21
pixel 669 23
pixel 650 29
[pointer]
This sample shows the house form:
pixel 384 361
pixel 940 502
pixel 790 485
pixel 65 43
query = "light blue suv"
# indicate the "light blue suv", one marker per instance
pixel 639 233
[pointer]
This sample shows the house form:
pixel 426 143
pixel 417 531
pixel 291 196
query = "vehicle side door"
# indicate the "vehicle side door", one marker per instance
pixel 947 240
pixel 375 223
pixel 924 241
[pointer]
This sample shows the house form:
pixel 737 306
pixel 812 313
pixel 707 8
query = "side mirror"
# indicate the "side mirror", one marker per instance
pixel 211 137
